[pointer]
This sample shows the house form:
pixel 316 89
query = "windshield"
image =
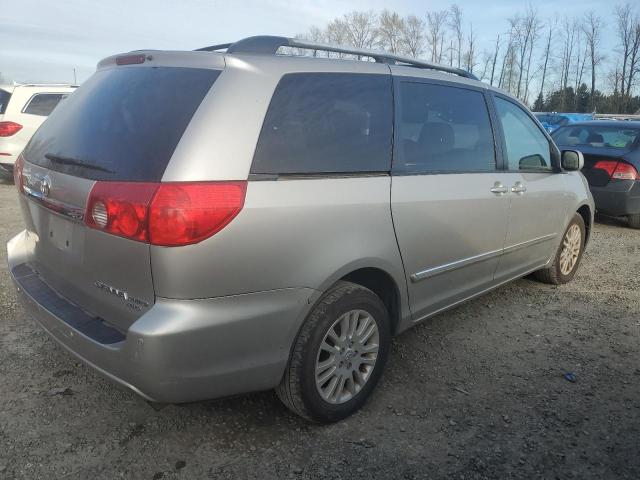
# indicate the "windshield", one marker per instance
pixel 122 124
pixel 621 137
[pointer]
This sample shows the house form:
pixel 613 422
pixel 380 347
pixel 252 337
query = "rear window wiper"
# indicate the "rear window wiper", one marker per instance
pixel 72 161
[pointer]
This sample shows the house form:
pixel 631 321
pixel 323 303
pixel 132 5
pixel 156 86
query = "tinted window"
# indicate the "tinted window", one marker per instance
pixel 43 103
pixel 527 147
pixel 597 136
pixel 443 129
pixel 126 121
pixel 326 122
pixel 4 100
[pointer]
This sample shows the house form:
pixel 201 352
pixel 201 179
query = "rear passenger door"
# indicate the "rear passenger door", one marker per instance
pixel 538 198
pixel 448 198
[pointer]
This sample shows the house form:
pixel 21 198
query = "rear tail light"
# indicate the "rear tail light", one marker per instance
pixel 167 214
pixel 625 171
pixel 9 128
pixel 17 173
pixel 617 170
pixel 121 208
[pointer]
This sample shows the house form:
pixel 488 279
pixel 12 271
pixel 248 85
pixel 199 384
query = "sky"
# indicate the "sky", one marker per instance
pixel 44 41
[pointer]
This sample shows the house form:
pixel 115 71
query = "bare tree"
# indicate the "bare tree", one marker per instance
pixel 496 51
pixel 628 31
pixel 579 73
pixel 592 27
pixel 570 30
pixel 547 50
pixel 470 53
pixel 436 22
pixel 507 71
pixel 414 36
pixel 455 24
pixel 361 28
pixel 625 31
pixel 634 58
pixel 525 32
pixel 390 31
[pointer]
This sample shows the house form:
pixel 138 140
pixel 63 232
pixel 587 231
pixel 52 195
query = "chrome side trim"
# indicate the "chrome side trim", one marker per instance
pixel 432 272
pixel 529 243
pixel 478 294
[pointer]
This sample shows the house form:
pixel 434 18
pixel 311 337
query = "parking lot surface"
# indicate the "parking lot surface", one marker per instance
pixel 481 391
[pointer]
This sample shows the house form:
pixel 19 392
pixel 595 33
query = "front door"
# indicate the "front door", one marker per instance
pixel 448 199
pixel 537 194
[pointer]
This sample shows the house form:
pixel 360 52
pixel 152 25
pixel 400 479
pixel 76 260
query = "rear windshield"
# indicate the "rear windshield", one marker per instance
pixel 552 119
pixel 122 124
pixel 620 137
pixel 4 100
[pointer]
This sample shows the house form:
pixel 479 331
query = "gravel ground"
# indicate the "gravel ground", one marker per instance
pixel 477 392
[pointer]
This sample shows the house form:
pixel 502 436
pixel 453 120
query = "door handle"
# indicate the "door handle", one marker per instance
pixel 499 189
pixel 519 188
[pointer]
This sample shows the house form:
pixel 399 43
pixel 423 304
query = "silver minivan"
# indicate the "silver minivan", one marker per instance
pixel 209 223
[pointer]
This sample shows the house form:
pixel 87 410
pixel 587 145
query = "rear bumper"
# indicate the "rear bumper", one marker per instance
pixel 179 350
pixel 619 197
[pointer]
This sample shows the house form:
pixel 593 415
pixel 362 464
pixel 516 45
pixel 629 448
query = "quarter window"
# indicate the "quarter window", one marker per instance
pixel 43 103
pixel 443 129
pixel 327 123
pixel 527 147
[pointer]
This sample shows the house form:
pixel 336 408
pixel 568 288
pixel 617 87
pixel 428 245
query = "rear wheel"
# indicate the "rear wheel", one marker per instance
pixel 565 263
pixel 338 356
pixel 634 220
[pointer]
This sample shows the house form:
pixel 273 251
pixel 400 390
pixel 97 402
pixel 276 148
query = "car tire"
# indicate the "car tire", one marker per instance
pixel 634 220
pixel 325 339
pixel 570 250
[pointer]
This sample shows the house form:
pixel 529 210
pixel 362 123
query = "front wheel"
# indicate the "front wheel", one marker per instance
pixel 565 263
pixel 338 356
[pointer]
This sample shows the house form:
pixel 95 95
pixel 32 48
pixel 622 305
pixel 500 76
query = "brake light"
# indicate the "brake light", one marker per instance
pixel 617 170
pixel 17 173
pixel 9 128
pixel 166 214
pixel 130 59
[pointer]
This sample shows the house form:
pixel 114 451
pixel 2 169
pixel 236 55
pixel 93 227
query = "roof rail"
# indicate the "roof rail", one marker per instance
pixel 269 45
pixel 46 85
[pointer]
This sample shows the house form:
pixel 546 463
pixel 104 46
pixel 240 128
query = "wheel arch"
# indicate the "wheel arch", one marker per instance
pixel 381 278
pixel 587 215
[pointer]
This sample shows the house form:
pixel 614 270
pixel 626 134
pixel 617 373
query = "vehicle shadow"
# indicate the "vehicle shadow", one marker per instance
pixel 611 221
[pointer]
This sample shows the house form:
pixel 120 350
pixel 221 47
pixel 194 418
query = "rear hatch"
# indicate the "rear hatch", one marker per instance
pixel 120 128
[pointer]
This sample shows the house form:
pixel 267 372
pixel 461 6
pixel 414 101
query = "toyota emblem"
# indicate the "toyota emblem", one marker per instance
pixel 45 186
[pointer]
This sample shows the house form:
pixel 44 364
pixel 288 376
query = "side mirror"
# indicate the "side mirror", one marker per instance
pixel 572 160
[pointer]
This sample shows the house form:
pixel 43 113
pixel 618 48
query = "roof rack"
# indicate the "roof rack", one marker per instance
pixel 269 45
pixel 45 85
